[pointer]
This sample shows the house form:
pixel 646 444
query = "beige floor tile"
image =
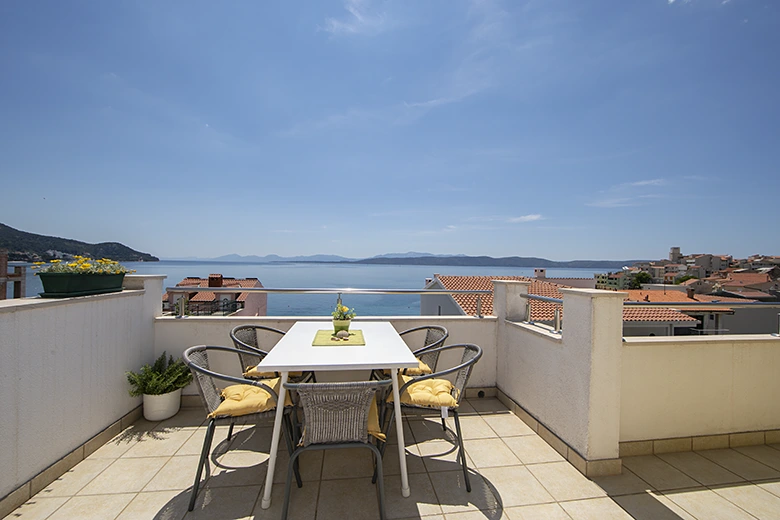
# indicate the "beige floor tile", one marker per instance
pixel 564 482
pixel 114 448
pixel 355 499
pixel 310 466
pixel 532 449
pixel 392 465
pixel 595 509
pixel 194 444
pixel 125 476
pixel 159 443
pixel 177 474
pixel 652 506
pixel 99 507
pixel 37 508
pixel 706 504
pixel 515 486
pixel 627 483
pixel 157 505
pixel 762 454
pixel 441 456
pixel 473 427
pixel 465 408
pixel 497 514
pixel 451 491
pixel 537 512
pixel 658 473
pixel 740 464
pixel 508 425
pixel 430 430
pixel 235 503
pixel 421 502
pixel 303 503
pixel 73 480
pixel 186 418
pixel 488 453
pixel 347 463
pixel 488 405
pixel 773 486
pixel 753 499
pixel 700 469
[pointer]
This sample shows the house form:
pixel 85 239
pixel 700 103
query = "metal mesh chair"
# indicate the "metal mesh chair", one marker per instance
pixel 435 335
pixel 245 339
pixel 462 371
pixel 197 359
pixel 336 415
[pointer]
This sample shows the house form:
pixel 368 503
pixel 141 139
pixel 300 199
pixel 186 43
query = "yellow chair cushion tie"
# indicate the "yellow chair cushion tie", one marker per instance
pixel 430 393
pixel 421 370
pixel 241 400
pixel 254 373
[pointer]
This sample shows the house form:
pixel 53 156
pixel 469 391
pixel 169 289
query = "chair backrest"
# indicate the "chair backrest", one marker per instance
pixel 245 339
pixel 435 335
pixel 471 354
pixel 197 359
pixel 336 413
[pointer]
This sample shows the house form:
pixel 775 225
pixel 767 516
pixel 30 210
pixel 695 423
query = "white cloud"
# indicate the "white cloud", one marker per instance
pixel 613 203
pixel 362 19
pixel 651 182
pixel 525 218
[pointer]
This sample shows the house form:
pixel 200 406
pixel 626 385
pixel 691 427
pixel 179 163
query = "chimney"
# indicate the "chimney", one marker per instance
pixel 215 280
pixel 690 291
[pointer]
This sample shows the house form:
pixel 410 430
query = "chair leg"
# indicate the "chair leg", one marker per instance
pixel 461 452
pixel 443 425
pixel 291 449
pixel 381 448
pixel 230 431
pixel 380 481
pixel 204 453
pixel 288 482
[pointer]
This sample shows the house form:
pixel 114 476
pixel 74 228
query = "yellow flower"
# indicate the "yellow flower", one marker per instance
pixel 38 263
pixel 56 261
pixel 85 266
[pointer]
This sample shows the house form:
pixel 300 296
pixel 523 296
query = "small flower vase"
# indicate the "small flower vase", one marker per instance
pixel 340 325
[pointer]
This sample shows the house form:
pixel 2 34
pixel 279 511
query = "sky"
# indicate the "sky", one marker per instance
pixel 560 129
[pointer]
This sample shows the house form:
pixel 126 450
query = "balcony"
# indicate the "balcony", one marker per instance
pixel 585 424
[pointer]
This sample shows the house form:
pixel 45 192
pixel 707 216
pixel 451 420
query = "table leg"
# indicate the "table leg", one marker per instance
pixel 269 477
pixel 399 430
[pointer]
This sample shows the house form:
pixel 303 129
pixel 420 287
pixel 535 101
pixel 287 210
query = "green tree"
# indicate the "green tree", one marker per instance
pixel 682 279
pixel 638 279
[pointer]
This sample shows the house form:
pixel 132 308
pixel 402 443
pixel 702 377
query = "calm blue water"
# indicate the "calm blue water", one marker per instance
pixel 292 275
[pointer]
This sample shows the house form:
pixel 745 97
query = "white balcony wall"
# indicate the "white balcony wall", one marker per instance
pixel 62 371
pixel 673 387
pixel 175 335
pixel 570 382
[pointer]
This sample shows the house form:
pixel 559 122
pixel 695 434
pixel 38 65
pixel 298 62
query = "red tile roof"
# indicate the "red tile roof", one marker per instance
pixel 206 296
pixel 541 311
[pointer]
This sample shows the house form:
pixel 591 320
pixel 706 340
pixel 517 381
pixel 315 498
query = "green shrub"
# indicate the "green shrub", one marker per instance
pixel 159 378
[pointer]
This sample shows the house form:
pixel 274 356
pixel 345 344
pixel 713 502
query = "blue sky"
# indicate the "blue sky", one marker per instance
pixel 559 129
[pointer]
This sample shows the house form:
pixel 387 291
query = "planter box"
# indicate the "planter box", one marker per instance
pixel 64 285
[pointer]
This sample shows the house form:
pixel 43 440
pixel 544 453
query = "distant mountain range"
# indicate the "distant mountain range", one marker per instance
pixel 416 258
pixel 29 247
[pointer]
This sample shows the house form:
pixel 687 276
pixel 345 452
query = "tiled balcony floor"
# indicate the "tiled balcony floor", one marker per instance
pixel 147 470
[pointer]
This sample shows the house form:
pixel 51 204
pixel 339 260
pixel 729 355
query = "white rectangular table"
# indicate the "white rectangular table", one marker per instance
pixel 384 348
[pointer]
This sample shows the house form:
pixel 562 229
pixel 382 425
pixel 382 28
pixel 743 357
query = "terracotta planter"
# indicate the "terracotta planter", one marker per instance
pixel 64 285
pixel 340 325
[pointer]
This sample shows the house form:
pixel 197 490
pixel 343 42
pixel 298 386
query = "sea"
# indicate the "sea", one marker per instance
pixel 321 275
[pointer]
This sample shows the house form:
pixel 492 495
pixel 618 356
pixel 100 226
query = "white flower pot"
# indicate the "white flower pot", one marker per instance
pixel 161 407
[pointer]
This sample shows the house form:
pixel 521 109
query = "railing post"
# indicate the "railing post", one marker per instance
pixel 479 306
pixel 3 274
pixel 557 319
pixel 528 310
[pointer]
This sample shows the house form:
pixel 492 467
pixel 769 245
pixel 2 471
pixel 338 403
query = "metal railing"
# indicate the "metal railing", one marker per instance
pixel 557 323
pixel 337 291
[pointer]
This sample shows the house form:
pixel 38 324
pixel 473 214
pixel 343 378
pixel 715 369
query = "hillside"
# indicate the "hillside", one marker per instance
pixel 30 247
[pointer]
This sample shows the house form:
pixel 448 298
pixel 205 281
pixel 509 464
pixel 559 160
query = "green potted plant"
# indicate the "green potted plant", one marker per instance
pixel 342 317
pixel 160 385
pixel 81 276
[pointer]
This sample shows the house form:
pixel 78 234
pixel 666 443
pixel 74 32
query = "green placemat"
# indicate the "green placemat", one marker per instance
pixel 326 338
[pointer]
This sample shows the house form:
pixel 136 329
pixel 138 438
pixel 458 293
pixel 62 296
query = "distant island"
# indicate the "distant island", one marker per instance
pixel 29 247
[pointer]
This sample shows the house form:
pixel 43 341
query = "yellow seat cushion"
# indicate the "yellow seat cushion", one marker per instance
pixel 431 393
pixel 241 400
pixel 373 421
pixel 254 373
pixel 421 370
